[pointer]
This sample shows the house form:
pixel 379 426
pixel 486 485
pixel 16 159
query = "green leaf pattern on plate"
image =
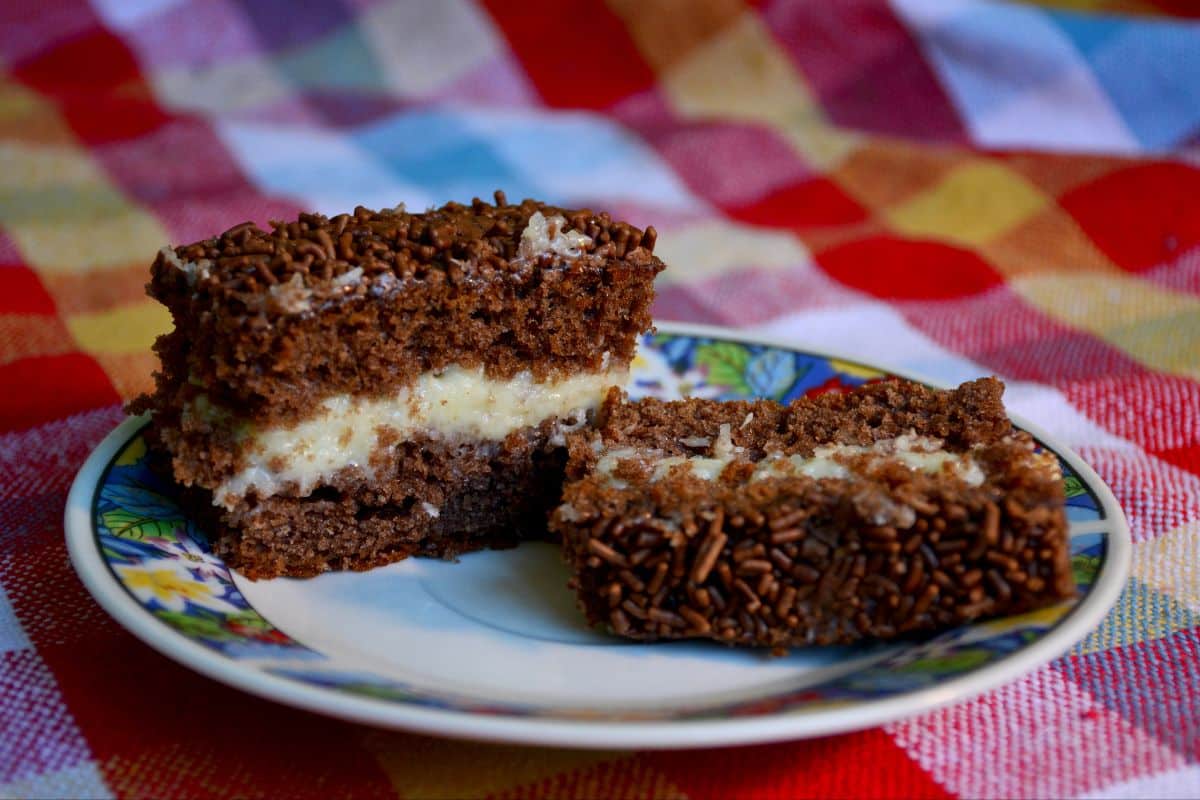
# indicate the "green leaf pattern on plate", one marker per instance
pixel 1084 568
pixel 1074 487
pixel 726 363
pixel 131 525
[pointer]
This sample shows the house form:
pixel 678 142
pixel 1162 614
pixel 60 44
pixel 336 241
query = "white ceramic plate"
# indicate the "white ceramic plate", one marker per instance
pixel 492 647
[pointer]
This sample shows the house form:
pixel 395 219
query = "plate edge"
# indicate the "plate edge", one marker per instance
pixel 111 596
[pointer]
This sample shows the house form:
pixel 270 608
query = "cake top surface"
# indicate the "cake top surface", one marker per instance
pixel 964 417
pixel 317 258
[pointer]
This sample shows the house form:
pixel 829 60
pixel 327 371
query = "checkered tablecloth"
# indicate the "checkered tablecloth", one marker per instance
pixel 952 187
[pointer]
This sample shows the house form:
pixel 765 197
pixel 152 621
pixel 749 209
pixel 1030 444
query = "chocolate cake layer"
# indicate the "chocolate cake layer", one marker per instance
pixel 890 510
pixel 433 499
pixel 963 417
pixel 271 322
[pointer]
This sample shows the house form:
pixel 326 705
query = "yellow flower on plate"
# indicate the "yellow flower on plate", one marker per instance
pixel 1042 617
pixel 855 370
pixel 133 453
pixel 170 583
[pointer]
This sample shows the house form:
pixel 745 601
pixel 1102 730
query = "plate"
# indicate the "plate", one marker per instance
pixel 492 647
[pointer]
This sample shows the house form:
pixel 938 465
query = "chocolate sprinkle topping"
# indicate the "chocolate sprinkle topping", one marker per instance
pixel 390 246
pixel 795 561
pixel 271 322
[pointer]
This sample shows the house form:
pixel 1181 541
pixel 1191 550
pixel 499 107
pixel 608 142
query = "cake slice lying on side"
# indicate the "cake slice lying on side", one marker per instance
pixel 340 393
pixel 888 510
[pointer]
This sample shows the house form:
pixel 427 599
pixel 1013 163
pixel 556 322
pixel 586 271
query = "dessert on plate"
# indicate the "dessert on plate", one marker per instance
pixel 339 393
pixel 889 510
pixel 344 392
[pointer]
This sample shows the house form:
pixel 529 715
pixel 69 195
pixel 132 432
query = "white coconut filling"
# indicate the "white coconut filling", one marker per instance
pixel 192 270
pixel 548 236
pixel 918 453
pixel 456 403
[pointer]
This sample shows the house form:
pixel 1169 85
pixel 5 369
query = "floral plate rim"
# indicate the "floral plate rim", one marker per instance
pixel 98 576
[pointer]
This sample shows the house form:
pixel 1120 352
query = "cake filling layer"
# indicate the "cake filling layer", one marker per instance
pixel 918 453
pixel 344 430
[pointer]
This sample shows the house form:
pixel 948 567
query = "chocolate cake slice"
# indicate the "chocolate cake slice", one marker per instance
pixel 889 510
pixel 343 392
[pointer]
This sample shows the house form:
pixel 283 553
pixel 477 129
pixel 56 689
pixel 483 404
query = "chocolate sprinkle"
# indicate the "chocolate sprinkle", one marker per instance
pixel 271 322
pixel 794 561
pixel 457 240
